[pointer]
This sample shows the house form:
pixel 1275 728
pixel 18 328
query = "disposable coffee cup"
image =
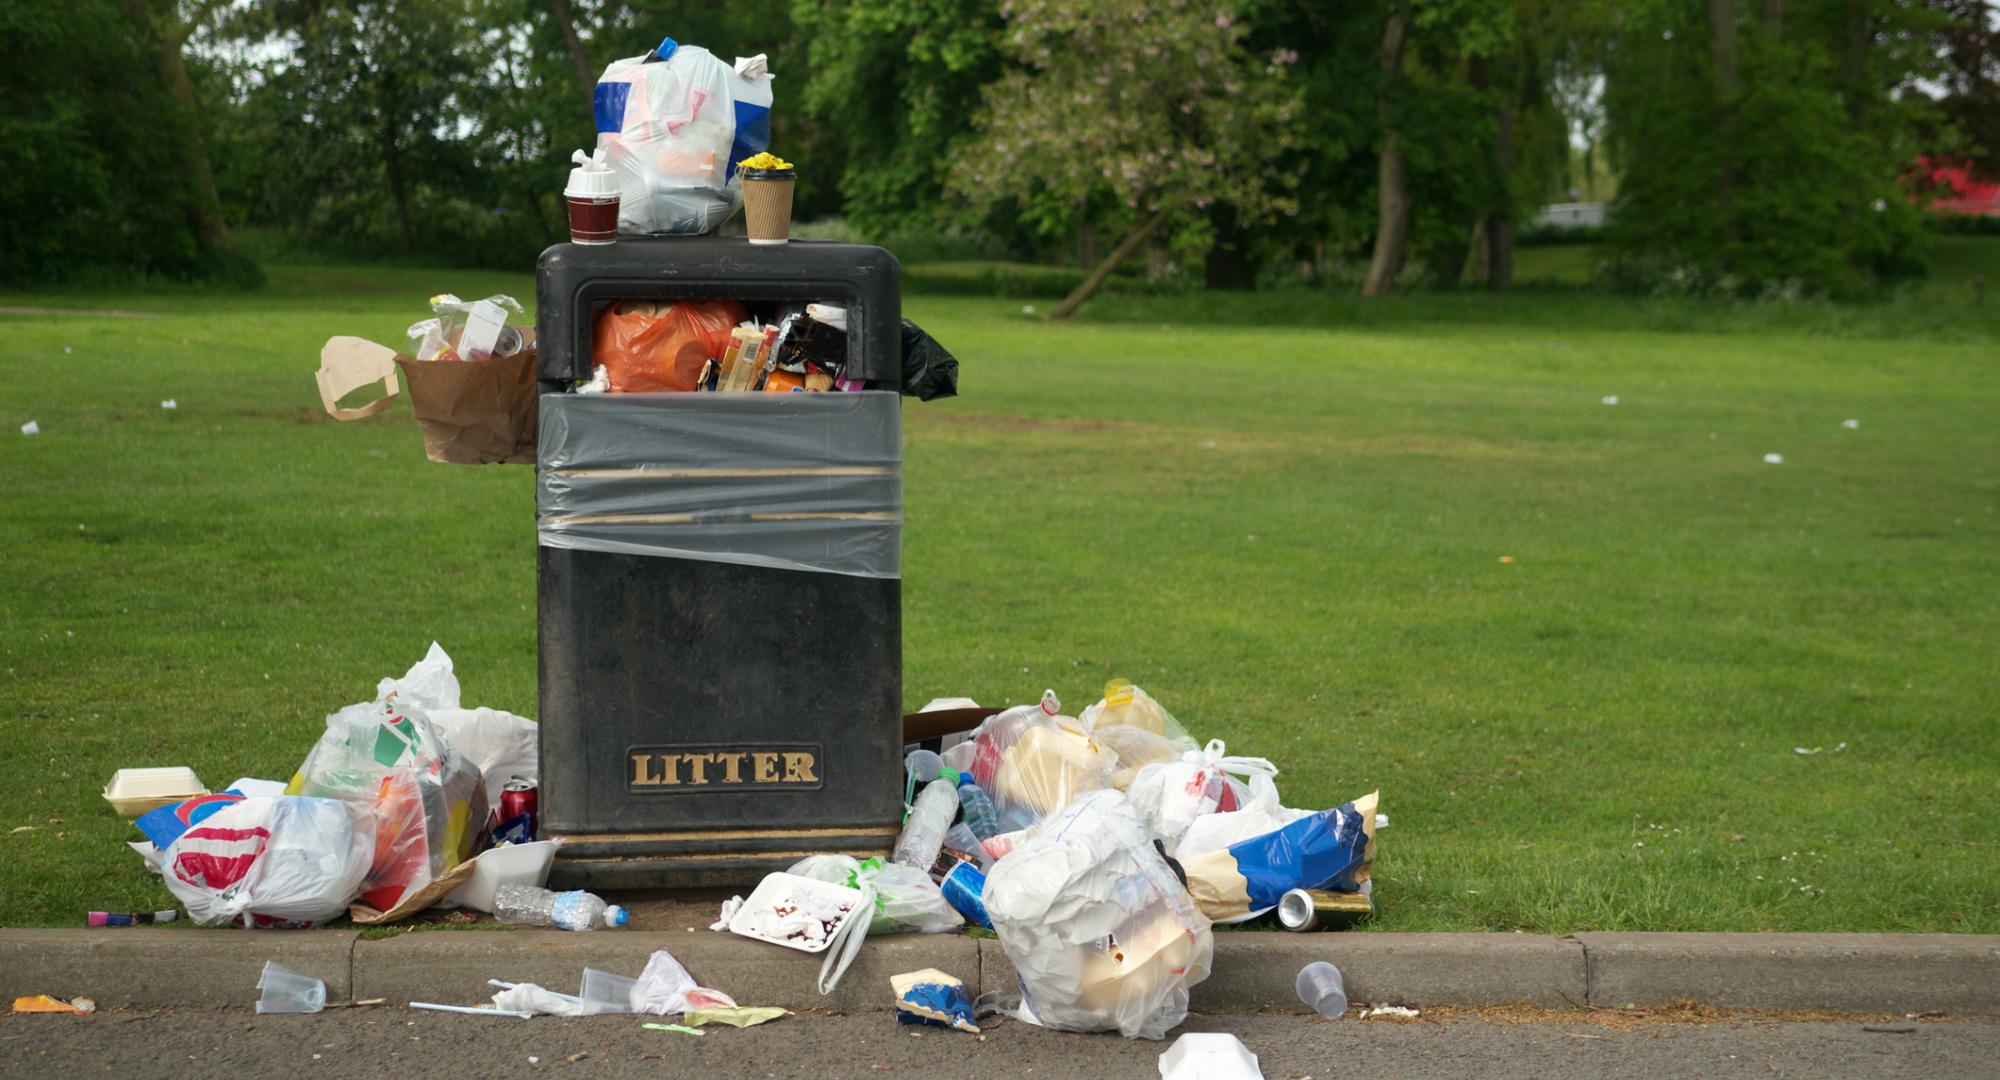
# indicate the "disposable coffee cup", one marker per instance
pixel 287 991
pixel 592 195
pixel 767 204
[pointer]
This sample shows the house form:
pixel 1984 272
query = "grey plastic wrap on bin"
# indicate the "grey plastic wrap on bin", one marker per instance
pixel 794 481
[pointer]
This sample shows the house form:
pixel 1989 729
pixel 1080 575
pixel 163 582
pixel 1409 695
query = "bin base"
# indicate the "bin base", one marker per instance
pixel 700 859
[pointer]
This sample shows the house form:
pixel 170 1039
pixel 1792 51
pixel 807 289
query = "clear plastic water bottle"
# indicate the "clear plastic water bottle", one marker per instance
pixel 980 816
pixel 527 905
pixel 923 834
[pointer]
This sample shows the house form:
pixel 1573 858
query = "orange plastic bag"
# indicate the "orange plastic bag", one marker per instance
pixel 648 346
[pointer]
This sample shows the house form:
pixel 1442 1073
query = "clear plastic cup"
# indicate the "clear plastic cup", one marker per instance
pixel 1322 989
pixel 604 992
pixel 287 991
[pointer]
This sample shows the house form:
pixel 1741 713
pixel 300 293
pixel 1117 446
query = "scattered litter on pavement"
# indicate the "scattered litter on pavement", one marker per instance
pixel 665 987
pixel 1397 1012
pixel 287 991
pixel 471 1010
pixel 681 1028
pixel 932 997
pixel 136 918
pixel 736 1016
pixel 1200 1055
pixel 44 1003
pixel 1322 989
pixel 729 909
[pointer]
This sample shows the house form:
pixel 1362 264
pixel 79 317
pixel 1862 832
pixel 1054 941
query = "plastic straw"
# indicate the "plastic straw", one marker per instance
pixel 473 1009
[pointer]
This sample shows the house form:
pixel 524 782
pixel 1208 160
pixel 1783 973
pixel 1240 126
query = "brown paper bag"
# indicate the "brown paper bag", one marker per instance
pixel 475 412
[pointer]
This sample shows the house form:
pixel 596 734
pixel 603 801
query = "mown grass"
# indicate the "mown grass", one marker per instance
pixel 1284 514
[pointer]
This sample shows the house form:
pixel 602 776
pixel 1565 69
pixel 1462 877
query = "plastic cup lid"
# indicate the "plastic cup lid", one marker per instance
pixel 587 183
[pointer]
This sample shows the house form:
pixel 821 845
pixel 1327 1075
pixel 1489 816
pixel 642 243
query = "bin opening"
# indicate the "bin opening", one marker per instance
pixel 720 345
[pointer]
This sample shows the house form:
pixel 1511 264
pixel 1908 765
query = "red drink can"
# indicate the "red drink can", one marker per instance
pixel 517 798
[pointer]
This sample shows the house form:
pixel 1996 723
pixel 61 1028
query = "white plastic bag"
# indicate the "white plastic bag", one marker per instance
pixel 1102 934
pixel 906 899
pixel 429 684
pixel 667 123
pixel 1172 796
pixel 499 744
pixel 1261 813
pixel 1130 723
pixel 665 987
pixel 289 860
pixel 1033 760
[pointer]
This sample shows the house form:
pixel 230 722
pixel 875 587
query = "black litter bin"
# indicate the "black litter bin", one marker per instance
pixel 719 604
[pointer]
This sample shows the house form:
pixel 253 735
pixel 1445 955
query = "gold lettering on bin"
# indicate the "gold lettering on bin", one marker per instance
pixel 640 773
pixel 731 773
pixel 767 767
pixel 671 768
pixel 799 769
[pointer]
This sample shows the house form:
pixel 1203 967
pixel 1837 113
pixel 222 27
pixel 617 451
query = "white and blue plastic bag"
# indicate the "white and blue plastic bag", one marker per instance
pixel 672 124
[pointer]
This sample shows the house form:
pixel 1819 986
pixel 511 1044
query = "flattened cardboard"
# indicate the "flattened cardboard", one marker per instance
pixel 414 900
pixel 347 364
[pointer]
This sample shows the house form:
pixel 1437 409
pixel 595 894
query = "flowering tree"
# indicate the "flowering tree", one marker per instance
pixel 1154 106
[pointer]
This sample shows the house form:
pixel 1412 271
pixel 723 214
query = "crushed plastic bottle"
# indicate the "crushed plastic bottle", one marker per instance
pixel 528 905
pixel 930 819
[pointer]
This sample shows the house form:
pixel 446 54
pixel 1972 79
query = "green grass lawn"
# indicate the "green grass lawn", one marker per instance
pixel 1283 514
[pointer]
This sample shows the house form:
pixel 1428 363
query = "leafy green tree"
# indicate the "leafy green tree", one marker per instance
pixel 1762 149
pixel 107 171
pixel 1155 107
pixel 893 88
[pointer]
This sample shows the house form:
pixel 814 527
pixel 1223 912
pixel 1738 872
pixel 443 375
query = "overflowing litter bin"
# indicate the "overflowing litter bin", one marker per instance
pixel 719 603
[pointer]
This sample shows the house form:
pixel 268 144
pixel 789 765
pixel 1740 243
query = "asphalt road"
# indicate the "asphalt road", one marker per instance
pixel 387 1043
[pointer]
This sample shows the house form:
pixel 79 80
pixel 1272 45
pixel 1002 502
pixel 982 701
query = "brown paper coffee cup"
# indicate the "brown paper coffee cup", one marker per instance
pixel 767 209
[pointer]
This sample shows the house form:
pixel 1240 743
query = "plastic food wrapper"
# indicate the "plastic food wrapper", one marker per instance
pixel 1332 850
pixel 427 801
pixel 649 346
pixel 1171 796
pixel 1130 723
pixel 1102 934
pixel 467 330
pixel 906 899
pixel 806 345
pixel 789 481
pixel 932 997
pixel 259 862
pixel 665 987
pixel 735 1017
pixel 672 124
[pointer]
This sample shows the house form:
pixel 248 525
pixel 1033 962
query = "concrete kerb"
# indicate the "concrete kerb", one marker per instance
pixel 1866 973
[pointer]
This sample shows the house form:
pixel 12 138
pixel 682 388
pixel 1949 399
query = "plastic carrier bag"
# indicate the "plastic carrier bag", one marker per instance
pixel 906 899
pixel 283 861
pixel 1033 760
pixel 673 123
pixel 1102 934
pixel 1130 723
pixel 1172 795
pixel 1259 814
pixel 427 801
pixel 646 346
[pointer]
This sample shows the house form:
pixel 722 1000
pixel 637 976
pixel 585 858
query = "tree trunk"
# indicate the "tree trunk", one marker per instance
pixel 1086 243
pixel 1860 34
pixel 1723 90
pixel 1498 258
pixel 1096 279
pixel 1774 19
pixel 392 165
pixel 1392 230
pixel 583 76
pixel 165 34
pixel 1227 263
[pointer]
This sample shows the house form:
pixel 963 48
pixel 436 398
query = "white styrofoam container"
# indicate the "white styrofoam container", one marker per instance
pixel 780 886
pixel 132 792
pixel 515 864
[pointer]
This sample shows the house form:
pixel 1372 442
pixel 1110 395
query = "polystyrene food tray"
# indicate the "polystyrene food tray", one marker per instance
pixel 132 792
pixel 781 886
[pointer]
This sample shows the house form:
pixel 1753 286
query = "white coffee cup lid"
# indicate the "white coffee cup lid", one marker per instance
pixel 592 178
